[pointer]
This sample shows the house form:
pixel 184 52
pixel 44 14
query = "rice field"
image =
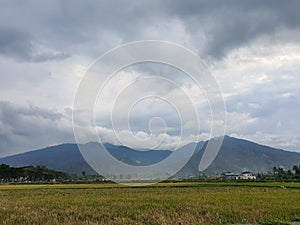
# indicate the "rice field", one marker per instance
pixel 172 203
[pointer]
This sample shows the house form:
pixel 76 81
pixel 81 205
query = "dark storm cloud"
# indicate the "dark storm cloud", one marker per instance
pixel 231 24
pixel 91 27
pixel 69 26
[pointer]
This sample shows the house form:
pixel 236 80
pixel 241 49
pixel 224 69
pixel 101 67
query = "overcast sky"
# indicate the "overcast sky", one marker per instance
pixel 252 48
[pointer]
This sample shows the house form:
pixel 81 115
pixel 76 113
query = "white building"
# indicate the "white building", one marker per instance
pixel 247 176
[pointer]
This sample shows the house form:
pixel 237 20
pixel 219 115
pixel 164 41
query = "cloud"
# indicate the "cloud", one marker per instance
pixel 21 46
pixel 30 127
pixel 223 26
pixel 286 142
pixel 211 28
pixel 252 48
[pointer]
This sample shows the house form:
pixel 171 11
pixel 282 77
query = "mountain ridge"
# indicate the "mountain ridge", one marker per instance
pixel 236 155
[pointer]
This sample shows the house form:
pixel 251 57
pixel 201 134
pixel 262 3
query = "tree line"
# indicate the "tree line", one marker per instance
pixel 280 173
pixel 30 174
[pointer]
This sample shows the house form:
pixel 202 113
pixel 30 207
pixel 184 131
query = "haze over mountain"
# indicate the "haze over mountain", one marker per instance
pixel 236 155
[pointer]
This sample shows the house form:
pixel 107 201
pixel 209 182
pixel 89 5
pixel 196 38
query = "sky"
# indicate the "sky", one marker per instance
pixel 251 47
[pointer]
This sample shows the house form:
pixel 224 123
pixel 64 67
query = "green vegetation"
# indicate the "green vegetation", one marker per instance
pixel 164 203
pixel 279 174
pixel 29 174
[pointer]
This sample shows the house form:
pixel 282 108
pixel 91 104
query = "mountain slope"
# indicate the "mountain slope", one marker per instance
pixel 246 155
pixel 236 155
pixel 67 157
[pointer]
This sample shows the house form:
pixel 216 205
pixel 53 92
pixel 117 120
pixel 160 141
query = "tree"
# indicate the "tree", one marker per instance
pixel 275 170
pixel 296 169
pixel 38 173
pixel 279 172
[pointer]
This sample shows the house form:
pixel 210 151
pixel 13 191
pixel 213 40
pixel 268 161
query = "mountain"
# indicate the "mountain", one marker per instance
pixel 67 157
pixel 135 157
pixel 236 155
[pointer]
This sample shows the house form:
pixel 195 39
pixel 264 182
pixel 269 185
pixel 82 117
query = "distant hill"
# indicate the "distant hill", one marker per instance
pixel 236 155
